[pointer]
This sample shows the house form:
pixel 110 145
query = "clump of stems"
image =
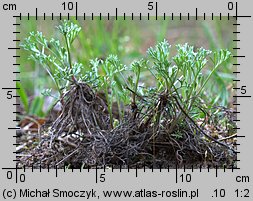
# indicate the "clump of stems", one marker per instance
pixel 181 77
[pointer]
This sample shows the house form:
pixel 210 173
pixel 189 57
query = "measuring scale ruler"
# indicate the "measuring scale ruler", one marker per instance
pixel 175 181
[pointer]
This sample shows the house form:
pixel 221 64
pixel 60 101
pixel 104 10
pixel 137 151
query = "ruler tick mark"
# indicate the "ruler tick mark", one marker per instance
pixel 156 10
pixel 240 56
pixel 14 48
pixel 241 96
pixel 11 88
pixel 176 174
pixel 76 10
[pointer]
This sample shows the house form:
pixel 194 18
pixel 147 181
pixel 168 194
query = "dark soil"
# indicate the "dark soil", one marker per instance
pixel 82 136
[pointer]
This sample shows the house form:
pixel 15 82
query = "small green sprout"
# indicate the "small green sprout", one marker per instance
pixel 53 56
